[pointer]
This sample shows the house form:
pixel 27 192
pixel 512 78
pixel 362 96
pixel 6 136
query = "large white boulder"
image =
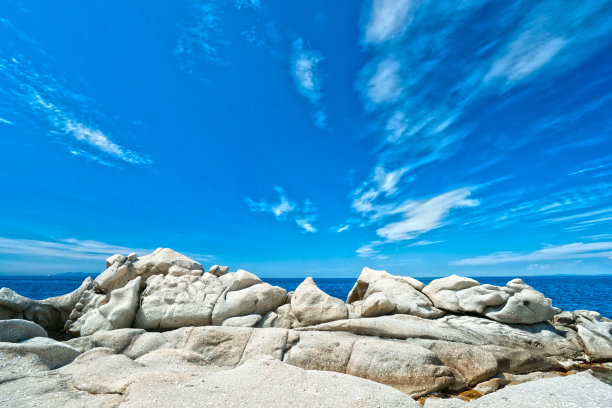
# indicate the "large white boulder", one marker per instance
pixel 118 313
pixel 525 305
pixel 392 294
pixel 122 269
pixel 257 299
pixel 464 295
pixel 170 302
pixel 313 306
pixel 16 330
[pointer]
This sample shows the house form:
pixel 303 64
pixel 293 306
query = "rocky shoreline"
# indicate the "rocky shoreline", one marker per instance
pixel 158 330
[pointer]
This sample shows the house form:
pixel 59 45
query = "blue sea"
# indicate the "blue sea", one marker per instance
pixel 567 292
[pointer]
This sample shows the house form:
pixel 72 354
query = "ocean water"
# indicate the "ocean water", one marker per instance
pixel 567 292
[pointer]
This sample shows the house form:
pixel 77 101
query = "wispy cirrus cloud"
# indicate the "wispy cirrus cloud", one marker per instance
pixel 69 248
pixel 577 250
pixel 417 217
pixel 284 209
pixel 200 37
pixel 434 64
pixel 388 19
pixel 306 75
pixel 58 109
pixel 75 249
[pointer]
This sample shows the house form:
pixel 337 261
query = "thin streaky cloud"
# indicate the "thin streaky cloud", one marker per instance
pixel 6 121
pixel 577 250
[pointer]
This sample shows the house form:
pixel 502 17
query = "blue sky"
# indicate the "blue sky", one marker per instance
pixel 308 138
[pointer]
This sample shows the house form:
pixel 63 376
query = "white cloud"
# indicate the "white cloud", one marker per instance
pixel 388 19
pixel 426 215
pixel 284 209
pixel 6 121
pixel 304 68
pixel 306 224
pixel 199 38
pixel 576 250
pixel 65 248
pixel 384 86
pixel 279 209
pixel 524 56
pixel 368 251
pixel 57 108
pixel 93 137
pixel 343 228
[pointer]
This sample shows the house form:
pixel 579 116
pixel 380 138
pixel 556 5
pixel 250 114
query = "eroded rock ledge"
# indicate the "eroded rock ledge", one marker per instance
pixel 164 312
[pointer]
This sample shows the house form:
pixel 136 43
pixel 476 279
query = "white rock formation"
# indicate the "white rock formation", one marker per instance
pixel 313 306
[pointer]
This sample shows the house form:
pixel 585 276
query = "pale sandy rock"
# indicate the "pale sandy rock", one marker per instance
pixel 220 346
pixel 242 321
pixel 159 262
pixel 369 275
pixel 489 386
pixel 407 367
pixel 270 343
pixel 282 318
pixel 89 301
pixel 133 257
pixel 50 313
pixel 579 390
pixel 51 353
pixel 118 313
pixel 464 295
pixel 218 270
pixel 16 330
pixel 565 318
pixel 115 258
pixel 101 371
pixel 313 306
pixel 146 343
pixel 319 351
pixel 525 306
pixel 377 304
pixel 596 336
pixel 171 302
pixel 401 292
pixel 446 403
pixel 258 299
pixel 469 363
pixel 452 282
pixel 110 380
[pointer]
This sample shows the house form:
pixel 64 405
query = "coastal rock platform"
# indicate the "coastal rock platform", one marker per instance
pixel 155 330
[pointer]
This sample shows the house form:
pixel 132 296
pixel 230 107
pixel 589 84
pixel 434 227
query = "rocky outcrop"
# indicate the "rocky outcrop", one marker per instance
pixel 313 306
pixel 16 330
pixel 514 303
pixel 50 313
pixel 163 310
pixel 382 293
pixel 117 313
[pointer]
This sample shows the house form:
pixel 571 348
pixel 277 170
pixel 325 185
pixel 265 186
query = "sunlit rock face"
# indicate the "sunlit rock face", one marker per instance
pixel 446 337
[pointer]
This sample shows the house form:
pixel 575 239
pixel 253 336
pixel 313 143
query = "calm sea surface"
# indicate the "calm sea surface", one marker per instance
pixel 567 292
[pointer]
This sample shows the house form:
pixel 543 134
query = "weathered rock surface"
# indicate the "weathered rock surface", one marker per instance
pixel 450 336
pixel 170 302
pixel 49 313
pixel 313 306
pixel 400 292
pixel 579 390
pixel 118 313
pixel 121 269
pixel 16 330
pixel 515 303
pixel 51 353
